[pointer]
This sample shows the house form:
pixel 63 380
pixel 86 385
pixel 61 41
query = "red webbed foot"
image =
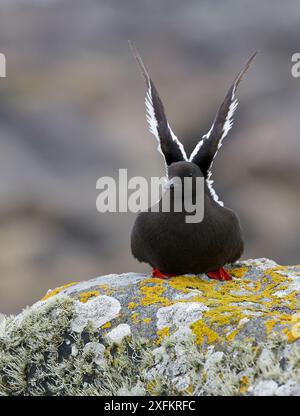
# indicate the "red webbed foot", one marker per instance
pixel 219 274
pixel 158 274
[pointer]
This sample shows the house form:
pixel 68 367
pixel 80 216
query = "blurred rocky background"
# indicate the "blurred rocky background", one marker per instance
pixel 72 110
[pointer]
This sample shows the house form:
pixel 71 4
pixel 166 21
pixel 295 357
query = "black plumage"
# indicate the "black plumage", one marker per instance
pixel 164 239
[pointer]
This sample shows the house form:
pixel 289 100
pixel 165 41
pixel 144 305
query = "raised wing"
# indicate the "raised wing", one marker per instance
pixel 168 144
pixel 206 150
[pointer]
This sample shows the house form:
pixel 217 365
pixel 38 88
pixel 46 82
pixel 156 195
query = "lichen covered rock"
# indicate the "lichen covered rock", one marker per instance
pixel 132 334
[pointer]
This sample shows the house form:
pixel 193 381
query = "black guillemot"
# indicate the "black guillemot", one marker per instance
pixel 164 239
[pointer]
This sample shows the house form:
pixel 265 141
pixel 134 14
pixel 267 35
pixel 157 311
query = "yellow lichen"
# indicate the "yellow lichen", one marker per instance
pixel 244 384
pixel 232 334
pixel 161 334
pixel 203 333
pixel 106 289
pixel 134 317
pixel 57 290
pixel 239 272
pixel 292 332
pixel 190 389
pixel 132 305
pixel 85 296
pixel 289 334
pixel 147 320
pixel 153 293
pixel 270 325
pixel 151 387
pixel 185 283
pixel 107 325
pixel 227 302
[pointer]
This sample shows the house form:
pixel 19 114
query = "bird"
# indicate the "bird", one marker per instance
pixel 164 240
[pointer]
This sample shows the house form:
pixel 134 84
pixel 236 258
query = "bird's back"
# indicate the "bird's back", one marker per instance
pixel 167 242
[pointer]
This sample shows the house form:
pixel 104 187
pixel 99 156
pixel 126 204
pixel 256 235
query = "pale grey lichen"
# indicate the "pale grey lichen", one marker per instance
pixel 262 263
pixel 97 349
pixel 113 280
pixel 119 333
pixel 99 310
pixel 180 314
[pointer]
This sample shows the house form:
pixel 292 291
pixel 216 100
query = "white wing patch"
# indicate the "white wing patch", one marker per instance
pixel 200 144
pixel 179 144
pixel 150 113
pixel 152 122
pixel 212 190
pixel 226 127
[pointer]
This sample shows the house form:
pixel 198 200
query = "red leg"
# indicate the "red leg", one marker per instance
pixel 219 274
pixel 157 273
